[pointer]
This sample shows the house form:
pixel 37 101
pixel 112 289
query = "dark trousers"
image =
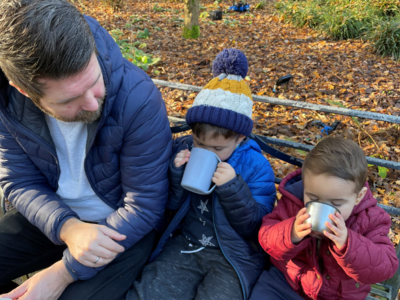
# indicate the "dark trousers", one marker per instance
pixel 203 275
pixel 25 249
pixel 272 285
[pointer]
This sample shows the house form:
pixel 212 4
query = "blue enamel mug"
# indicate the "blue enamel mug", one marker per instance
pixel 199 171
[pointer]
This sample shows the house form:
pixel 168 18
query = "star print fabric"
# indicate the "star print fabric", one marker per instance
pixel 198 225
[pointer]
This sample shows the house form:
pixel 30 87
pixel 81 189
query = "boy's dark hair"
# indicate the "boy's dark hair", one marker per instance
pixel 42 39
pixel 340 158
pixel 203 129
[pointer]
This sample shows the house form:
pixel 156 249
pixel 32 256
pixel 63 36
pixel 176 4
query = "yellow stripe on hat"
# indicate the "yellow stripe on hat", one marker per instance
pixel 233 86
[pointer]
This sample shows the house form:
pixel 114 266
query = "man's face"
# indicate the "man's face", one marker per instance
pixel 78 98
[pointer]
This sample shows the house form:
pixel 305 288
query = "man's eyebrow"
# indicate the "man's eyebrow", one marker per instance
pixel 70 99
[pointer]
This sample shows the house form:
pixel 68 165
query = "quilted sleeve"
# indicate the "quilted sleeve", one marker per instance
pixel 242 211
pixel 144 160
pixel 245 203
pixel 275 234
pixel 28 190
pixel 370 257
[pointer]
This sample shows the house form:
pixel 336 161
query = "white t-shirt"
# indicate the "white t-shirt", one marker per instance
pixel 73 186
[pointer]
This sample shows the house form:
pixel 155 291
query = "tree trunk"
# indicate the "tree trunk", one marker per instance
pixel 191 29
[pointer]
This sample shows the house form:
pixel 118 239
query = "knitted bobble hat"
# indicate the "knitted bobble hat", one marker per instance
pixel 226 100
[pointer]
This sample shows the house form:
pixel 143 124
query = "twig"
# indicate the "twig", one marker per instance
pixel 377 147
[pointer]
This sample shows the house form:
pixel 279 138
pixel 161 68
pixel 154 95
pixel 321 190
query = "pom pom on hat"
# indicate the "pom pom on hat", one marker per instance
pixel 226 100
pixel 231 62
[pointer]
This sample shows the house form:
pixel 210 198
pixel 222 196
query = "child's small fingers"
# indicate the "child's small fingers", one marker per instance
pixel 334 219
pixel 341 223
pixel 337 221
pixel 304 233
pixel 302 228
pixel 217 174
pixel 301 212
pixel 302 218
pixel 220 170
pixel 331 236
pixel 223 165
pixel 332 227
pixel 180 155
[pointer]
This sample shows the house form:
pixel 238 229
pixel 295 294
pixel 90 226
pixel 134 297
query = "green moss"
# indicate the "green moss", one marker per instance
pixel 193 33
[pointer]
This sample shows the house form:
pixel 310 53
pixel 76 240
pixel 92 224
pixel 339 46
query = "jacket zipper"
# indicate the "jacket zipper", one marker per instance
pixel 220 245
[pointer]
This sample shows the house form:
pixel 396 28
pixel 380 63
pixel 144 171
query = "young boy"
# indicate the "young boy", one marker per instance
pixel 215 254
pixel 356 254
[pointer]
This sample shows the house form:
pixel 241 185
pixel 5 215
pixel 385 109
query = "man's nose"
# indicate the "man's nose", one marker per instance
pixel 91 104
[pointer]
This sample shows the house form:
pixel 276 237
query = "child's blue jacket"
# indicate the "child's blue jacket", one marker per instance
pixel 238 208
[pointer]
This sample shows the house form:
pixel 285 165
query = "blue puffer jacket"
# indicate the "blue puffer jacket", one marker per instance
pixel 128 153
pixel 238 208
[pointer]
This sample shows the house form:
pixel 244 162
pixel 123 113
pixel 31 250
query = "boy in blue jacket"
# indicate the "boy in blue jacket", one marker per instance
pixel 215 254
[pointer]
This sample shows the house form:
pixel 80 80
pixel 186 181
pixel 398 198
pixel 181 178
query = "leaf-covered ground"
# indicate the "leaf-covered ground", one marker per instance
pixel 324 70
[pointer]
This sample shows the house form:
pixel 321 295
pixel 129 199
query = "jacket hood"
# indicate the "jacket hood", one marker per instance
pixel 292 187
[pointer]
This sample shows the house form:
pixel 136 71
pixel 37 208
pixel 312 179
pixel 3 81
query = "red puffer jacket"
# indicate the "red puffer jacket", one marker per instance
pixel 330 273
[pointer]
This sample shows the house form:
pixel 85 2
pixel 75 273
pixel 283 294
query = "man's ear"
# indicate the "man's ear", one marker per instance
pixel 19 90
pixel 361 194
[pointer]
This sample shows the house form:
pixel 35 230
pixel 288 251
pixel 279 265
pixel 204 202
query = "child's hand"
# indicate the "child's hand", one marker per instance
pixel 224 174
pixel 340 230
pixel 300 230
pixel 182 158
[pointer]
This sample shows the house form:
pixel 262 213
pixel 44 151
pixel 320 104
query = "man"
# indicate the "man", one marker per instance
pixel 84 151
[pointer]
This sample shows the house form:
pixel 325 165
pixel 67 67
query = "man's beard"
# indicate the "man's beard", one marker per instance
pixel 83 116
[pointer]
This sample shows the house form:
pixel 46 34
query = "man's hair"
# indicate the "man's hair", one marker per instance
pixel 202 130
pixel 42 39
pixel 340 158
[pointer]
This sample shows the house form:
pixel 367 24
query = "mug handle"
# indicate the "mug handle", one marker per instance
pixel 213 187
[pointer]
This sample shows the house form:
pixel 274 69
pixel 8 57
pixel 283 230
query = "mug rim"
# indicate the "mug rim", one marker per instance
pixel 219 160
pixel 324 204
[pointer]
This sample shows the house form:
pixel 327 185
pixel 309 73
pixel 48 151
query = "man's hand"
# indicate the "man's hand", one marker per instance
pixel 87 242
pixel 300 230
pixel 49 284
pixel 340 233
pixel 223 174
pixel 182 158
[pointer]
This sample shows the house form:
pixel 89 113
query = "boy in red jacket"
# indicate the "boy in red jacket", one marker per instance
pixel 356 254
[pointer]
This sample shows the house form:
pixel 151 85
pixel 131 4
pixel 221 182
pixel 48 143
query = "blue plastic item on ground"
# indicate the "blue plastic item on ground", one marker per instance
pixel 240 7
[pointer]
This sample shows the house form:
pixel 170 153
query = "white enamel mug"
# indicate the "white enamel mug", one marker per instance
pixel 199 171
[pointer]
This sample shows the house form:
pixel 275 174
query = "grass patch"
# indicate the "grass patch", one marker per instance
pixel 377 21
pixel 386 38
